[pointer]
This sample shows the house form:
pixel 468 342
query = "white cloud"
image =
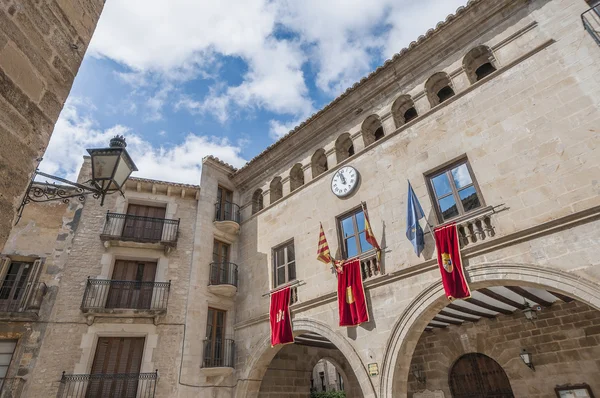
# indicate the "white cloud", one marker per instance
pixel 179 40
pixel 75 131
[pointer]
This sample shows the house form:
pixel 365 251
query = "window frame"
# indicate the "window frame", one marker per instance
pixel 340 232
pixel 285 264
pixel 222 201
pixel 447 168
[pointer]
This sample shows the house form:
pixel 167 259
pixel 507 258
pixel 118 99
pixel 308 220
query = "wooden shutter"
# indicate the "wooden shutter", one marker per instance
pixel 4 266
pixel 31 283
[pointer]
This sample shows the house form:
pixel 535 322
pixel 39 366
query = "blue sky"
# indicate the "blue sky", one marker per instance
pixel 186 78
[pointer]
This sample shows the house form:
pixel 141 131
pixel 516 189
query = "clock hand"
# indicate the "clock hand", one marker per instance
pixel 342 178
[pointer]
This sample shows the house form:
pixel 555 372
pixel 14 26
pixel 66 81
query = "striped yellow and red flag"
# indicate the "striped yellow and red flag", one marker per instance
pixel 369 236
pixel 323 253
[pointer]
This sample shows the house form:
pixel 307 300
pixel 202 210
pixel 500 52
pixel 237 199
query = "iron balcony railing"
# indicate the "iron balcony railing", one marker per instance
pixel 101 385
pixel 591 22
pixel 227 211
pixel 219 353
pixel 140 229
pixel 223 273
pixel 20 296
pixel 11 387
pixel 112 294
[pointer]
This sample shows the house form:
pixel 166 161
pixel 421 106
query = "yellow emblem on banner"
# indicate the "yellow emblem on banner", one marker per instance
pixel 349 296
pixel 447 262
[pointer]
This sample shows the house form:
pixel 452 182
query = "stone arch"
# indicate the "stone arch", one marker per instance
pixel 296 177
pixel 264 353
pixel 479 63
pixel 344 147
pixel 257 201
pixel 372 129
pixel 438 88
pixel 318 163
pixel 411 323
pixel 276 189
pixel 338 367
pixel 403 110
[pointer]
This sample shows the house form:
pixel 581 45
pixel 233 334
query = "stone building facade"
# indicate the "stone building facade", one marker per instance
pixel 492 116
pixel 42 44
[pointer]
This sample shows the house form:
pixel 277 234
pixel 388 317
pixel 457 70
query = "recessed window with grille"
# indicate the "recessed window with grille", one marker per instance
pixel 214 351
pixel 132 285
pixel 455 191
pixel 7 349
pixel 144 222
pixel 116 355
pixel 351 230
pixel 225 204
pixel 284 263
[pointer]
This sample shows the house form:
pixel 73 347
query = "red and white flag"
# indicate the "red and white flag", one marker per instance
pixel 279 315
pixel 450 262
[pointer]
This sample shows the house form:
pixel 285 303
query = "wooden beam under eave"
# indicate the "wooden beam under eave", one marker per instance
pixel 487 306
pixel 433 325
pixel 450 321
pixel 564 298
pixel 470 311
pixel 529 295
pixel 456 316
pixel 501 298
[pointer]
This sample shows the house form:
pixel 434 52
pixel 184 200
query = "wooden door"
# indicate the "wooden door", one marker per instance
pixel 221 262
pixel 132 285
pixel 215 335
pixel 225 204
pixel 144 223
pixel 478 376
pixel 116 355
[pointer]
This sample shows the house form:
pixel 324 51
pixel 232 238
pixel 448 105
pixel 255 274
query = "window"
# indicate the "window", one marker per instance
pixel 403 110
pixel 372 130
pixel 296 177
pixel 257 201
pixel 318 163
pixel 144 223
pixel 276 189
pixel 344 147
pixel 438 88
pixel 479 63
pixel 351 229
pixel 224 204
pixel 7 348
pixel 284 263
pixel 132 285
pixel 455 191
pixel 215 338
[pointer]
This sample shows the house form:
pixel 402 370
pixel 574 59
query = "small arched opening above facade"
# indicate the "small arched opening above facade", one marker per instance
pixel 479 63
pixel 276 189
pixel 296 177
pixel 344 147
pixel 257 201
pixel 439 88
pixel 403 110
pixel 372 130
pixel 318 163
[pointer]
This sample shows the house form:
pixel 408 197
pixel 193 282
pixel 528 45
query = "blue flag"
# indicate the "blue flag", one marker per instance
pixel 414 232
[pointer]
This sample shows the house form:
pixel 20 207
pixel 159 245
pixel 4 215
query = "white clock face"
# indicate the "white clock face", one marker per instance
pixel 344 181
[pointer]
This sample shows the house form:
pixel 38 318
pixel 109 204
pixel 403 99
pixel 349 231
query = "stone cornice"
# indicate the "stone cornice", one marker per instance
pixel 394 74
pixel 547 228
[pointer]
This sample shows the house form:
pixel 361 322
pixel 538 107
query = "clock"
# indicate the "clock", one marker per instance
pixel 344 181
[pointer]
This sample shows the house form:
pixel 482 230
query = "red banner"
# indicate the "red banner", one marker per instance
pixel 279 315
pixel 351 295
pixel 450 263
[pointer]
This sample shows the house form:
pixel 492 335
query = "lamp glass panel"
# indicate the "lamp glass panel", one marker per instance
pixel 103 165
pixel 122 173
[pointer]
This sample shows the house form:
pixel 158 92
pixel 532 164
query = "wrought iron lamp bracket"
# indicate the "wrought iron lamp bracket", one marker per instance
pixel 47 192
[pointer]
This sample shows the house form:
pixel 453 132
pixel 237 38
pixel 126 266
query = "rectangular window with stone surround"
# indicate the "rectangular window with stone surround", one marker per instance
pixel 352 233
pixel 454 190
pixel 284 264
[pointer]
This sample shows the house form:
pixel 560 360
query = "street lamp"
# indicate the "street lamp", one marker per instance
pixel 111 167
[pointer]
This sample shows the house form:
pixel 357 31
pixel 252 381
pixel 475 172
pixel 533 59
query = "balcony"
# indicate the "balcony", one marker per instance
pixel 227 220
pixel 125 298
pixel 11 387
pixel 219 357
pixel 223 279
pixel 591 22
pixel 368 265
pixel 17 302
pixel 123 385
pixel 135 231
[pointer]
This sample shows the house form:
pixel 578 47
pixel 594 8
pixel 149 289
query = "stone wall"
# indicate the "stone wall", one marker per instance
pixel 42 44
pixel 564 341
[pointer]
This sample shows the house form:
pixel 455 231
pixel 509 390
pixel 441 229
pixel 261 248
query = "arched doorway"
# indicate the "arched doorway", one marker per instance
pixel 477 375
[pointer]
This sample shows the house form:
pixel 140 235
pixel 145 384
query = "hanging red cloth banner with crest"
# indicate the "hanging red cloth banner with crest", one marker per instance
pixel 352 302
pixel 450 263
pixel 279 315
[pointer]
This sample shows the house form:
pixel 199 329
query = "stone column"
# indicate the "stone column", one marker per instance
pixel 286 188
pixel 387 121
